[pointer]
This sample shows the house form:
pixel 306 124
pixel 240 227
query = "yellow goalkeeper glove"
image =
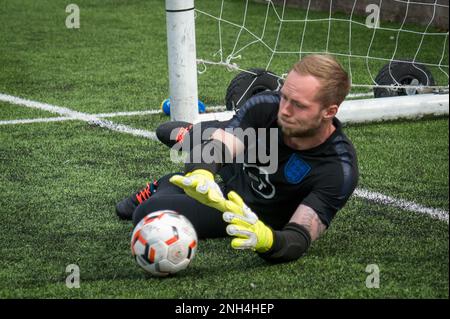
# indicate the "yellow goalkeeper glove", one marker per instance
pixel 200 185
pixel 244 224
pixel 251 233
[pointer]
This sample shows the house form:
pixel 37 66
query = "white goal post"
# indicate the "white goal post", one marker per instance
pixel 182 58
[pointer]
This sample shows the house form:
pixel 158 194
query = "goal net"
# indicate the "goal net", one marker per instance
pixel 389 47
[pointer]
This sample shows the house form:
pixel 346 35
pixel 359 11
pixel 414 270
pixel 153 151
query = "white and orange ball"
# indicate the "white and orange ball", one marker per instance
pixel 164 243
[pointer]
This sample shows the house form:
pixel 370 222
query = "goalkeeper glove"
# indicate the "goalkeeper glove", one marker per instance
pixel 244 224
pixel 200 185
pixel 251 233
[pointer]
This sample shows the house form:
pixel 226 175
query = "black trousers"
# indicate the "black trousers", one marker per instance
pixel 207 221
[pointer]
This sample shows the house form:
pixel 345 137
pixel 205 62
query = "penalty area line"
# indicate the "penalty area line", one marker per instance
pixel 67 118
pixel 67 113
pixel 38 120
pixel 405 205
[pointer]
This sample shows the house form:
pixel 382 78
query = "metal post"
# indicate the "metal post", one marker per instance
pixel 182 60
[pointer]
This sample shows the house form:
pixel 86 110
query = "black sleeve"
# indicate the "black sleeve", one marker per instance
pixel 218 155
pixel 332 192
pixel 289 244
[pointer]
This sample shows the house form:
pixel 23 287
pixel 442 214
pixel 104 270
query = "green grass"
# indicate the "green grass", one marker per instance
pixel 67 217
pixel 59 182
pixel 390 164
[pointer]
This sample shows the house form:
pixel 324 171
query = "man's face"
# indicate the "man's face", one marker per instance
pixel 300 115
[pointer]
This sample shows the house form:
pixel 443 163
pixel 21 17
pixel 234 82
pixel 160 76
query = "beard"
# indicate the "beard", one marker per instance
pixel 301 130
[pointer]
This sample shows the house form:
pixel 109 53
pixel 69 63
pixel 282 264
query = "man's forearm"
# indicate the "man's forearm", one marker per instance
pixel 214 153
pixel 289 244
pixel 209 156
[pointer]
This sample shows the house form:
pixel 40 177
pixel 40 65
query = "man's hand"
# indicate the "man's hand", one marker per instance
pixel 200 185
pixel 251 233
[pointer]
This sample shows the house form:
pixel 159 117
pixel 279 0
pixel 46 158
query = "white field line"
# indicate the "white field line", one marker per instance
pixel 99 115
pixel 95 119
pixel 38 120
pixel 74 115
pixel 67 118
pixel 116 114
pixel 402 204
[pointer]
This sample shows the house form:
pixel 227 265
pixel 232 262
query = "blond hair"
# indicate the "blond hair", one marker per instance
pixel 333 78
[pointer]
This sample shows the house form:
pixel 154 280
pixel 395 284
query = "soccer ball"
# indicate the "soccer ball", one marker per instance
pixel 164 243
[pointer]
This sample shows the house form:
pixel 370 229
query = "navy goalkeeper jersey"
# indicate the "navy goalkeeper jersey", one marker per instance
pixel 322 178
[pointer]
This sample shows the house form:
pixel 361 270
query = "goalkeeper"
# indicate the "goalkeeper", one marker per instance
pixel 276 214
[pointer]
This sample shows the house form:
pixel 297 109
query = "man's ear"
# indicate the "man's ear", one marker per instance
pixel 330 111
